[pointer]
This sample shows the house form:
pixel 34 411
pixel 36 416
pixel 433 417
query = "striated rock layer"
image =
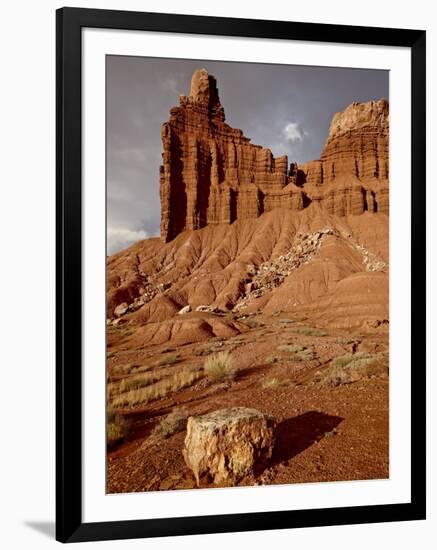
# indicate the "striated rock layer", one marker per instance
pixel 352 173
pixel 212 173
pixel 309 261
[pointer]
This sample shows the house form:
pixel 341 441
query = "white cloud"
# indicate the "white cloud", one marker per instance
pixel 172 84
pixel 119 238
pixel 293 132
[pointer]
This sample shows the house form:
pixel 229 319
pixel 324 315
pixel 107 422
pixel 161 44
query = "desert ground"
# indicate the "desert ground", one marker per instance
pixel 327 430
pixel 319 367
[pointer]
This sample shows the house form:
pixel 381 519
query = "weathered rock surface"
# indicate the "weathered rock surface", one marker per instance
pixel 274 262
pixel 121 309
pixel 212 174
pixel 226 444
pixel 352 173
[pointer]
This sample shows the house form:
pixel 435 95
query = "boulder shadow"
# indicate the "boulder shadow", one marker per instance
pixel 296 434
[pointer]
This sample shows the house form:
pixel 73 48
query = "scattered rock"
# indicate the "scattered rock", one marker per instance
pixel 227 443
pixel 272 273
pixel 121 309
pixel 185 309
pixel 209 309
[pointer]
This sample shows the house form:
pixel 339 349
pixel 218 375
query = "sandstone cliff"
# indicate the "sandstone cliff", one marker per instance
pixel 212 173
pixel 352 173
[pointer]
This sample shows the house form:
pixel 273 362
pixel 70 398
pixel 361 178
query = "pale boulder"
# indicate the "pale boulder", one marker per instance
pixel 227 443
pixel 121 309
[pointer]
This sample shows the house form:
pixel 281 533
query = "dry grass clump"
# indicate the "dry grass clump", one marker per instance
pixel 177 381
pixel 346 341
pixel 169 360
pixel 133 382
pixel 116 427
pixel 273 383
pixel 173 423
pixel 251 323
pixel 139 381
pixel 305 355
pixel 212 348
pixel 352 367
pixel 122 369
pixel 291 348
pixel 140 368
pixel 220 366
pixel 298 352
pixel 310 331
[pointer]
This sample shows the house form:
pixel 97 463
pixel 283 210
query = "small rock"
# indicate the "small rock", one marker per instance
pixel 207 309
pixel 121 309
pixel 185 309
pixel 117 322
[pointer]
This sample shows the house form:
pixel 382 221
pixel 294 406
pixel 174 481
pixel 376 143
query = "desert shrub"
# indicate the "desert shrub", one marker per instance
pixel 134 382
pixel 305 355
pixel 251 323
pixel 139 381
pixel 168 360
pixel 345 341
pixel 140 368
pixel 236 339
pixel 291 348
pixel 220 366
pixel 116 427
pixel 310 331
pixel 212 348
pixel 272 383
pixel 173 423
pixel 179 380
pixel 122 369
pixel 349 368
pixel 297 352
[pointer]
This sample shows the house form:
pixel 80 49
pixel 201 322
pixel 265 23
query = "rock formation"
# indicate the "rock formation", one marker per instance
pixel 212 173
pixel 352 173
pixel 226 444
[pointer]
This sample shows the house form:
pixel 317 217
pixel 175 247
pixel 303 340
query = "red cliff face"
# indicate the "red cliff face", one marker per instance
pixel 212 174
pixel 352 173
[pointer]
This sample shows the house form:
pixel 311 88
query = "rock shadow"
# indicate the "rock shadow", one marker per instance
pixel 296 434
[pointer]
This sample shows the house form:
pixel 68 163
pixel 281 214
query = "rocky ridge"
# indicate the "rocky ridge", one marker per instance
pixel 271 262
pixel 212 174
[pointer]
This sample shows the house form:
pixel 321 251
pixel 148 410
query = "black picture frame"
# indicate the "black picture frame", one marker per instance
pixel 69 24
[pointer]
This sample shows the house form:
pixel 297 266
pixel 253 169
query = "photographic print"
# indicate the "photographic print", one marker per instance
pixel 247 274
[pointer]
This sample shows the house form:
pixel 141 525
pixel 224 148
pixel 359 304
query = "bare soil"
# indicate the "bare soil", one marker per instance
pixel 324 433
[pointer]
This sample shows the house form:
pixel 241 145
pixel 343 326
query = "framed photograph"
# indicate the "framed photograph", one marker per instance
pixel 240 274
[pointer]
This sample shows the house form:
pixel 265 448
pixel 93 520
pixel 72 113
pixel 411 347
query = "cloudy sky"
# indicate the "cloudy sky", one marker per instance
pixel 287 108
